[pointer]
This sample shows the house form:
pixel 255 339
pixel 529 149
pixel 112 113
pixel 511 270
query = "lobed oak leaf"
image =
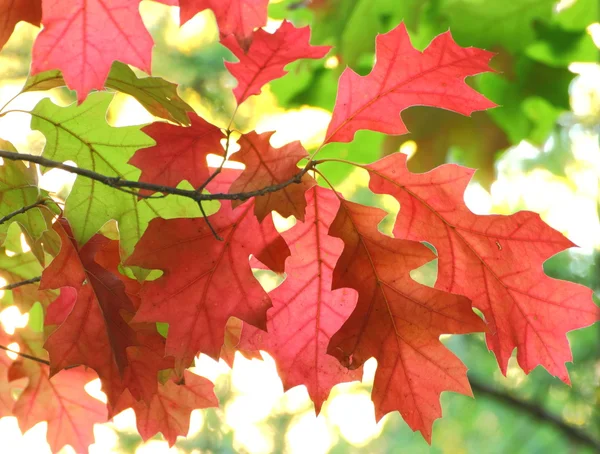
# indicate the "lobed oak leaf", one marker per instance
pixel 397 320
pixel 274 250
pixel 306 312
pixel 169 410
pixel 138 349
pixel 403 77
pixel 89 309
pixel 496 261
pixel 205 281
pixel 14 11
pixel 234 17
pixel 60 400
pixel 267 57
pixel 83 38
pixel 81 134
pixel 269 166
pixel 180 153
pixel 145 361
pixel 19 188
pixel 157 95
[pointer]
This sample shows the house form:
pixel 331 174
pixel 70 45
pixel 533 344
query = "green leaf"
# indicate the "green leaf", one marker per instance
pixel 82 135
pixel 491 23
pixel 543 115
pixel 579 15
pixel 157 95
pixel 18 188
pixel 365 148
pixel 509 96
pixel 36 318
pixel 20 267
pixel 558 47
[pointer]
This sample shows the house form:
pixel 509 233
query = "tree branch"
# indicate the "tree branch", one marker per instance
pixel 25 355
pixel 9 216
pixel 33 280
pixel 118 182
pixel 574 434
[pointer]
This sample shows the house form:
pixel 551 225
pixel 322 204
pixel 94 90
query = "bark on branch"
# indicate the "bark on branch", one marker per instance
pixel 21 210
pixel 120 183
pixel 33 280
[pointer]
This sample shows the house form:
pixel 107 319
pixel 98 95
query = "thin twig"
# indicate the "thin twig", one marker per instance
pixel 117 182
pixel 33 280
pixel 219 169
pixel 22 210
pixel 212 229
pixel 25 355
pixel 573 433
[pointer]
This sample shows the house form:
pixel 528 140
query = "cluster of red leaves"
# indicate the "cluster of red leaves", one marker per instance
pixel 347 295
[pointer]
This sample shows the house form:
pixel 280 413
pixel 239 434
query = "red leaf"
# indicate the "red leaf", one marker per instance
pixel 14 11
pixel 169 411
pixel 494 260
pixel 83 38
pixel 212 277
pixel 267 57
pixel 404 77
pixel 274 251
pixel 94 332
pixel 61 401
pixel 234 17
pixel 268 166
pixel 144 364
pixel 397 320
pixel 306 312
pixel 180 152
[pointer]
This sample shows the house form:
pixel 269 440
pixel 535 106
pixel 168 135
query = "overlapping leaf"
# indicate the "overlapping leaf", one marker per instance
pixel 92 316
pixel 179 153
pixel 93 332
pixel 306 312
pixel 397 320
pixel 496 261
pixel 19 188
pixel 81 134
pixel 20 267
pixel 83 38
pixel 267 57
pixel 404 77
pixel 157 95
pixel 212 277
pixel 169 410
pixel 61 400
pixel 234 17
pixel 269 166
